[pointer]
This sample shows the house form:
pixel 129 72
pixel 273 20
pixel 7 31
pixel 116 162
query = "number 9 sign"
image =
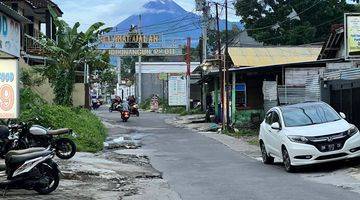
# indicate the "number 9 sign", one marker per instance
pixel 7 96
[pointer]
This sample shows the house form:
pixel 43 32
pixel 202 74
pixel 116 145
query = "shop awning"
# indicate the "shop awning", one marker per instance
pixel 268 56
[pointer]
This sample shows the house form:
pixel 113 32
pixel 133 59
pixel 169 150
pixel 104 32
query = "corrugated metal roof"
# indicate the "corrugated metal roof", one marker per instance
pixel 268 56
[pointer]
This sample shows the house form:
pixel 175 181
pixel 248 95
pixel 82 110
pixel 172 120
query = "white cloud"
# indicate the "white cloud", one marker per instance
pixel 111 12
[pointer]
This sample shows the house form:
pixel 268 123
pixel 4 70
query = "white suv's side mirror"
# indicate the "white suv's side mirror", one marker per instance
pixel 342 115
pixel 275 126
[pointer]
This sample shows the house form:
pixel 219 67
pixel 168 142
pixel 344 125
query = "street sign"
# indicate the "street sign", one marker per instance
pixel 9 89
pixel 352 36
pixel 177 91
pixel 144 52
pixel 105 39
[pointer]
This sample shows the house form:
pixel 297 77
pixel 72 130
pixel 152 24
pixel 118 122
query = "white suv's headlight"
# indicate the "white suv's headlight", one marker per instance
pixel 352 131
pixel 298 139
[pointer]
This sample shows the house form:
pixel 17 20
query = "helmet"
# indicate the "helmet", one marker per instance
pixel 4 132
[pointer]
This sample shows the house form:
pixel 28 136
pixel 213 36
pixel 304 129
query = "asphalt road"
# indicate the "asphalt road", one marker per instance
pixel 197 167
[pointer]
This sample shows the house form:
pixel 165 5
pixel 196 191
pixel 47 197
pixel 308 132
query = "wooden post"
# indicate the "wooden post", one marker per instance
pixel 233 98
pixel 216 97
pixel 188 72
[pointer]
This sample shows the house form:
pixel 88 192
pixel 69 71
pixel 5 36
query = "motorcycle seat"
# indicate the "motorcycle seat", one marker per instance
pixel 13 159
pixel 59 131
pixel 25 151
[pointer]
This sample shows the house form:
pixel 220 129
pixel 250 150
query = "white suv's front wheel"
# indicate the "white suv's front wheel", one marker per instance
pixel 267 159
pixel 287 160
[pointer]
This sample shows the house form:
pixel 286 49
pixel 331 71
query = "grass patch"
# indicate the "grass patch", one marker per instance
pixel 243 133
pixel 192 112
pixel 174 109
pixel 254 141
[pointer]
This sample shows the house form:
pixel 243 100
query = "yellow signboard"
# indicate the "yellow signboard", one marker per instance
pixel 9 89
pixel 129 39
pixel 352 39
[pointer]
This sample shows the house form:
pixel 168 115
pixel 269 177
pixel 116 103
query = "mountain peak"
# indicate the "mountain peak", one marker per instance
pixel 157 6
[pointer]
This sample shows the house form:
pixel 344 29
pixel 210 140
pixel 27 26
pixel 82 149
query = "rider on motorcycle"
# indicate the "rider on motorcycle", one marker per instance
pixel 115 102
pixel 132 100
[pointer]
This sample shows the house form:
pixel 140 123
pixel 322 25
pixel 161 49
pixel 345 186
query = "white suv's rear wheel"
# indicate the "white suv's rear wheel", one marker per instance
pixel 267 159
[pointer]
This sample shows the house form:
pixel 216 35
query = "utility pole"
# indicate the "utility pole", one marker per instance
pixel 118 72
pixel 226 67
pixel 205 24
pixel 188 72
pixel 140 73
pixel 221 75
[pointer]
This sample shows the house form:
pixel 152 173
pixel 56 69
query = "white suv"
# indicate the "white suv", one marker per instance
pixel 307 133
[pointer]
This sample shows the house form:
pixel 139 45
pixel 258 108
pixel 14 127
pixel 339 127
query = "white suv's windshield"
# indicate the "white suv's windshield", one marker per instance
pixel 308 115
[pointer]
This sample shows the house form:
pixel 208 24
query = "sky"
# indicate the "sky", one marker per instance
pixel 111 12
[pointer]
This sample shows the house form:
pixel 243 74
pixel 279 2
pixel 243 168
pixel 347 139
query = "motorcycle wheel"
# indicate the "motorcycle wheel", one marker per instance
pixel 125 120
pixel 65 148
pixel 137 113
pixel 51 176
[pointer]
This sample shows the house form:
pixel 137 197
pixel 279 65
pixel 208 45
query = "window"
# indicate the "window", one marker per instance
pixel 309 115
pixel 268 117
pixel 275 118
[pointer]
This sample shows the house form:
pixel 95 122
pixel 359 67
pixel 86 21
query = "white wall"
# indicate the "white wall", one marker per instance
pixel 164 67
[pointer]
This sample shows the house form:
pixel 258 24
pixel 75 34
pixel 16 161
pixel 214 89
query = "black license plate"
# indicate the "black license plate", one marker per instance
pixel 331 147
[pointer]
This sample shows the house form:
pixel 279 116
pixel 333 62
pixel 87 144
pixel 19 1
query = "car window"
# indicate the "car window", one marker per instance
pixel 275 118
pixel 268 117
pixel 309 115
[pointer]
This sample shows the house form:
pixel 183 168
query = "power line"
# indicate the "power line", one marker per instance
pixel 182 31
pixel 319 25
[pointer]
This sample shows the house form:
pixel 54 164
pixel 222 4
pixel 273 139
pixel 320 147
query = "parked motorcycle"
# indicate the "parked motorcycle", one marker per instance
pixel 134 110
pixel 8 142
pixel 125 115
pixel 30 169
pixel 210 114
pixel 38 136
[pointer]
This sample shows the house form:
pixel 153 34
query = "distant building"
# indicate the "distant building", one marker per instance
pixel 31 53
pixel 10 31
pixel 155 78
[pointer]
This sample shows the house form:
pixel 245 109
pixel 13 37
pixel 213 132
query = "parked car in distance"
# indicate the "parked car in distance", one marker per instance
pixel 307 133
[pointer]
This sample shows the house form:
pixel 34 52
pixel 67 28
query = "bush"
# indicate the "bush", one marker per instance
pixel 29 99
pixel 91 132
pixel 145 105
pixel 243 118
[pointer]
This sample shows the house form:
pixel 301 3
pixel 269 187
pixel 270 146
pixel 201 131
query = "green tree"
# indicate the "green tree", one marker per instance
pixel 291 22
pixel 72 50
pixel 108 78
pixel 212 37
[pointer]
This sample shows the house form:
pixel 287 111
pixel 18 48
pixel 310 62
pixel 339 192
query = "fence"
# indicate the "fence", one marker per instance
pixel 270 94
pixel 291 94
pixel 312 88
pixel 346 74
